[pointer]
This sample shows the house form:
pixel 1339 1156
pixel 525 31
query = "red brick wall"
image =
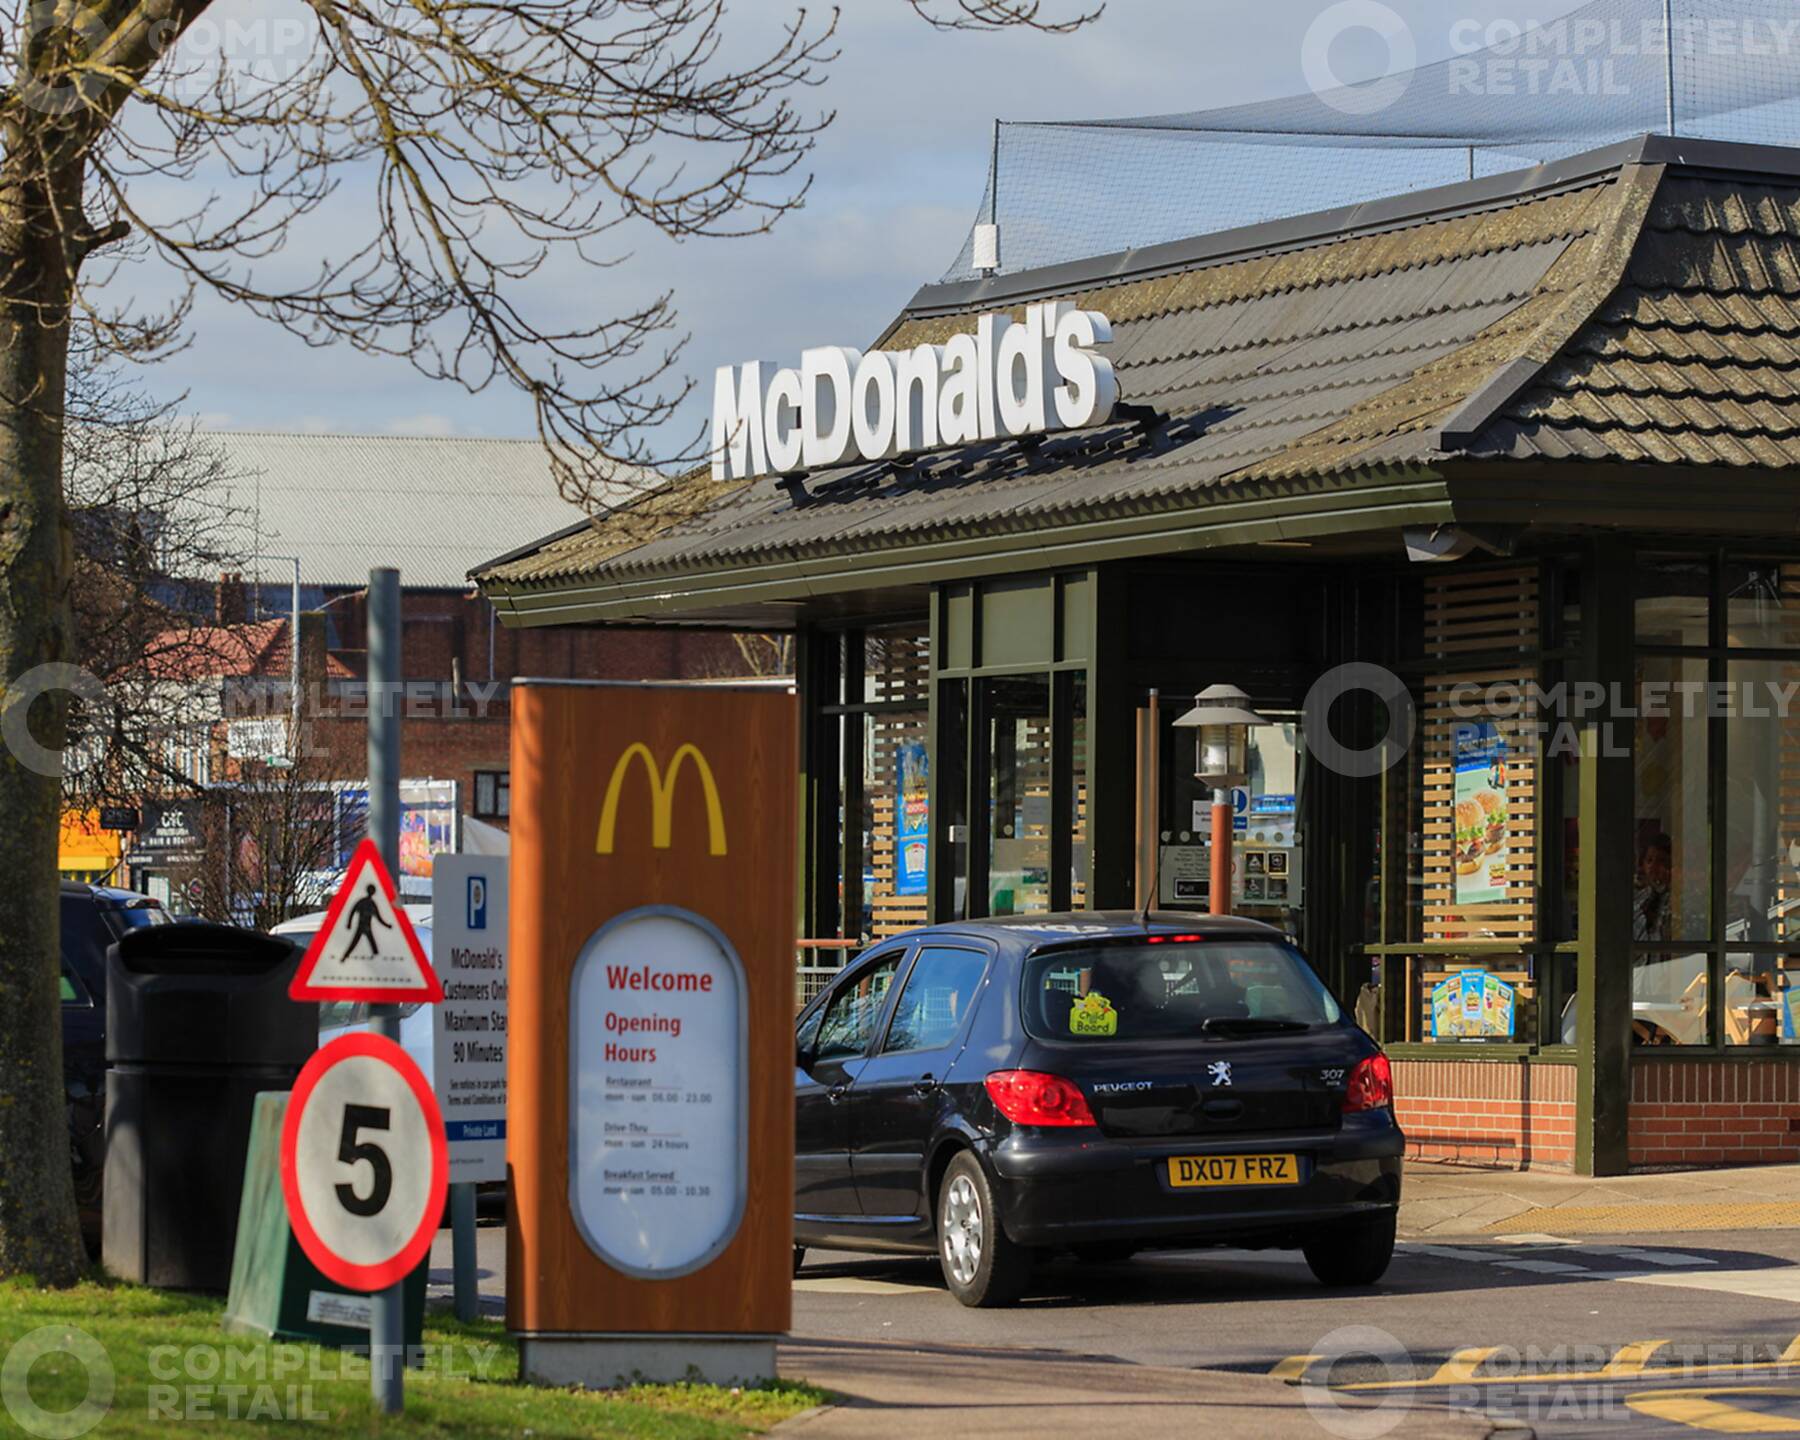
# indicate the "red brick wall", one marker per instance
pixel 1490 1112
pixel 1713 1112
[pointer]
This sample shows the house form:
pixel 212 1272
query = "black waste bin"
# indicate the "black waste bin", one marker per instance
pixel 198 1021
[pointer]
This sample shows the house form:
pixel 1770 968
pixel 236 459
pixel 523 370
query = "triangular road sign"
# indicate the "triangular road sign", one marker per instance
pixel 366 949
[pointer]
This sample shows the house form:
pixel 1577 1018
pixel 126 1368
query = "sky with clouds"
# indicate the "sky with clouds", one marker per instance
pixel 898 178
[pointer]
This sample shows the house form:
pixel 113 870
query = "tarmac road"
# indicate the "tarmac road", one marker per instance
pixel 1660 1335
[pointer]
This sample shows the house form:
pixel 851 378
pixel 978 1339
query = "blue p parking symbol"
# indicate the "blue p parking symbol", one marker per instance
pixel 477 902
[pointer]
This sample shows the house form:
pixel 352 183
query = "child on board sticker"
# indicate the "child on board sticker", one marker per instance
pixel 1093 1014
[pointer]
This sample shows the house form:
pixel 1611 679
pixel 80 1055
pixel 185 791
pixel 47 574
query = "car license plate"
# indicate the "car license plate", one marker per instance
pixel 1186 1171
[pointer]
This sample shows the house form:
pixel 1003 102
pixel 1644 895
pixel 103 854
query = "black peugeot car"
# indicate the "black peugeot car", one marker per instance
pixel 1096 1083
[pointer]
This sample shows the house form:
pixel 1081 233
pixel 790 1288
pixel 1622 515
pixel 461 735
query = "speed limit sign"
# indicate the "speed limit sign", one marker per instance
pixel 363 1163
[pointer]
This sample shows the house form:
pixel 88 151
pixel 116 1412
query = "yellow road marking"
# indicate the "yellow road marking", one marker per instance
pixel 1735 1367
pixel 1699 1410
pixel 1631 1358
pixel 1462 1365
pixel 1293 1367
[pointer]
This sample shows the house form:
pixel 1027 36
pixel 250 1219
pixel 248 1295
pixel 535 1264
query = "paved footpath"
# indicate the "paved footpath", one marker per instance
pixel 1441 1200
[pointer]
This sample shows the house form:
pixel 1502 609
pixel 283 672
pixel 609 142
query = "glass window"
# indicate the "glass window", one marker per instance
pixel 493 794
pixel 1076 680
pixel 1762 999
pixel 849 1022
pixel 1017 713
pixel 1762 826
pixel 935 999
pixel 1762 607
pixel 69 988
pixel 1173 990
pixel 1672 599
pixel 1672 889
pixel 952 788
pixel 1668 1000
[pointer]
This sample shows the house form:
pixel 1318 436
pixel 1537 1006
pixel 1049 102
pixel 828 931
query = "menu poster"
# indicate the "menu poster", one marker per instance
pixel 912 841
pixel 1479 828
pixel 1472 1005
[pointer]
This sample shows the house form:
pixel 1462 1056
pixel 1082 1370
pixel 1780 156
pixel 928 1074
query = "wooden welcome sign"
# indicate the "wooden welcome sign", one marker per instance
pixel 650 1119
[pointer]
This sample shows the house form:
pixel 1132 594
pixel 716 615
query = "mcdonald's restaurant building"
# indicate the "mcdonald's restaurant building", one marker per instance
pixel 1528 444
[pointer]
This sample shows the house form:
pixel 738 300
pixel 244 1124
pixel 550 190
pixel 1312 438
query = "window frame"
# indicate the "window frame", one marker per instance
pixel 963 944
pixel 901 953
pixel 502 781
pixel 1718 655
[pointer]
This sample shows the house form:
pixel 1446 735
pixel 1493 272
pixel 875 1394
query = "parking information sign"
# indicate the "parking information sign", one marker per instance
pixel 366 949
pixel 363 1164
pixel 468 950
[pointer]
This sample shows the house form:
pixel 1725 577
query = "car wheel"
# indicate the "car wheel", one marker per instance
pixel 981 1265
pixel 799 1257
pixel 1353 1252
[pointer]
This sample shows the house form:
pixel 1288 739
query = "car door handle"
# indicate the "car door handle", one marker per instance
pixel 837 1093
pixel 924 1085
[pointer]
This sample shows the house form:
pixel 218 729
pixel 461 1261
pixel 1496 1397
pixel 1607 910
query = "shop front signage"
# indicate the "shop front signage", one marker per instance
pixel 170 834
pixel 657 1161
pixel 650 1108
pixel 1008 378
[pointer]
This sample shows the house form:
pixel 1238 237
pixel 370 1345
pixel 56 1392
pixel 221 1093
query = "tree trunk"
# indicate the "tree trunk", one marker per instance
pixel 39 1235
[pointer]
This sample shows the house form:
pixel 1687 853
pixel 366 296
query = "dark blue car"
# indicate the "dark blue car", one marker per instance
pixel 1099 1083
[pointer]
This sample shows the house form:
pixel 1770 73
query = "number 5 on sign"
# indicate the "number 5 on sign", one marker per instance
pixel 363 1163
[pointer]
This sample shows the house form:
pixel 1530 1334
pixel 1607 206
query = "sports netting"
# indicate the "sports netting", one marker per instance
pixel 1606 71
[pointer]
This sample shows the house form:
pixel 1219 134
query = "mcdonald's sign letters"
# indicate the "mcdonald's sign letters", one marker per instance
pixel 650 1089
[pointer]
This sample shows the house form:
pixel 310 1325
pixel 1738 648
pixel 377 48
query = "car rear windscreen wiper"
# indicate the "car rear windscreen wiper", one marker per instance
pixel 1251 1025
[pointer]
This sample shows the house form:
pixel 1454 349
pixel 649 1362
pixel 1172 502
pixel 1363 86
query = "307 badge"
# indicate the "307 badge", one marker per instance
pixel 1192 1171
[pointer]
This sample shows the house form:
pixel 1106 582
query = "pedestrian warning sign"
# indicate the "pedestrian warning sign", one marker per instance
pixel 366 949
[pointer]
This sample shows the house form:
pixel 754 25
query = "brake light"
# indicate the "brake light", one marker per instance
pixel 1371 1085
pixel 1030 1097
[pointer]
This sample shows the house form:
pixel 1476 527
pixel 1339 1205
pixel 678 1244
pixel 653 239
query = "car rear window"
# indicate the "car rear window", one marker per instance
pixel 1164 991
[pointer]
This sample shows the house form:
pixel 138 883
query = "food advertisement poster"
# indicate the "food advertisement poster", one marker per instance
pixel 1472 1005
pixel 1479 831
pixel 912 844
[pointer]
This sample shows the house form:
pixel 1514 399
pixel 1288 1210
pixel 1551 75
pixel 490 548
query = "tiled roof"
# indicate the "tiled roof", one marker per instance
pixel 255 649
pixel 432 506
pixel 1616 306
pixel 1696 358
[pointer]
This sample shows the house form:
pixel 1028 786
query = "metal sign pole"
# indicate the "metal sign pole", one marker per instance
pixel 462 1249
pixel 387 1321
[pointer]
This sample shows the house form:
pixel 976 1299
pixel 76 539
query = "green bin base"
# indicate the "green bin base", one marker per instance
pixel 275 1290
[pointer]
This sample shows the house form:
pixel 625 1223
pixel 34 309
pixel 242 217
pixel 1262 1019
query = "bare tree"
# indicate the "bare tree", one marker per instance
pixel 271 844
pixel 490 141
pixel 154 520
pixel 764 655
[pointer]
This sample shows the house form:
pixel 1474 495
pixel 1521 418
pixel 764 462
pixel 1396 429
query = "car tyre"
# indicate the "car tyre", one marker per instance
pixel 799 1257
pixel 1352 1252
pixel 982 1267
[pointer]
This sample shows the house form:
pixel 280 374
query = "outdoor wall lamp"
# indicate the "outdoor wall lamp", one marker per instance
pixel 1221 721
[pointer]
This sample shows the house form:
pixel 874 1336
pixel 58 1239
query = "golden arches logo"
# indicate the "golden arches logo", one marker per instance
pixel 662 798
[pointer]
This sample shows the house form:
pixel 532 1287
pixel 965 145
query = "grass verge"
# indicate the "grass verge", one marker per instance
pixel 175 1373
